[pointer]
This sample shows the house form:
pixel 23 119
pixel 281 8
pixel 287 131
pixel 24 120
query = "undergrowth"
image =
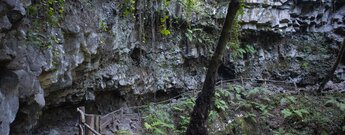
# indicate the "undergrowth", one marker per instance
pixel 254 111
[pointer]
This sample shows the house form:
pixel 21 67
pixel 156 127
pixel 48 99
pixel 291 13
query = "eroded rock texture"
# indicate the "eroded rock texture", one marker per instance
pixel 95 47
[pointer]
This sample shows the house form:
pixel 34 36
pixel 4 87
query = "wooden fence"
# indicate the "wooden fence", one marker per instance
pixel 93 124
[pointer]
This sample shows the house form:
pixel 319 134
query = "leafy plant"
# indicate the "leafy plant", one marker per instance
pixel 163 28
pixel 212 116
pixel 55 10
pixel 264 109
pixel 337 103
pixel 183 109
pixel 190 34
pixel 158 121
pixel 128 7
pixel 190 6
pixel 184 105
pixel 238 52
pixel 165 32
pixel 293 109
pixel 288 100
pixel 51 10
pixel 235 44
pixel 183 123
pixel 103 25
pixel 220 103
pixel 292 112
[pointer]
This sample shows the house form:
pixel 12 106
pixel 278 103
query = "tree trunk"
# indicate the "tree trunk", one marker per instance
pixel 330 74
pixel 197 125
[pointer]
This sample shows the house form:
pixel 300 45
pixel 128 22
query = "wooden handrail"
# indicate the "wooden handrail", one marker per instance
pixel 102 123
pixel 83 122
pixel 93 131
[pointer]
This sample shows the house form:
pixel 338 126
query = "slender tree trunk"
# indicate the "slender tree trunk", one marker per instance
pixel 197 125
pixel 331 72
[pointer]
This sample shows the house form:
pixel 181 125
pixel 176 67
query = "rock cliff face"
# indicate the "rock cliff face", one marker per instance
pixel 51 58
pixel 295 16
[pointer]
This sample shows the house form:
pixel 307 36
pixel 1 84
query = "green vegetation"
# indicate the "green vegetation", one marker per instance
pixel 50 10
pixel 191 36
pixel 244 111
pixel 162 119
pixel 103 26
pixel 220 102
pixel 181 111
pixel 41 40
pixel 190 6
pixel 261 111
pixel 164 17
pixel 128 7
pixel 158 121
pixel 163 26
pixel 238 52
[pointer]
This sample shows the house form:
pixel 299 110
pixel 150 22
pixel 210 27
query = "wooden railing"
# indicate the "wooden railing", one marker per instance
pixel 89 124
pixel 92 124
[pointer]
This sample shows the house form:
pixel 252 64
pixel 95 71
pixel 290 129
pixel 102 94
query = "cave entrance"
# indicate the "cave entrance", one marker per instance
pixel 105 102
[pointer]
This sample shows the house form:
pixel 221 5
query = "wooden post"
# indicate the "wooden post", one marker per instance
pixel 91 129
pixel 81 120
pixel 97 124
pixel 89 121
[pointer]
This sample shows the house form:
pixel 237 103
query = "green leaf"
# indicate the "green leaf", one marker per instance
pixel 299 113
pixel 250 49
pixel 305 111
pixel 213 115
pixel 286 113
pixel 189 37
pixel 147 126
pixel 323 132
pixel 253 92
pixel 190 31
pixel 159 131
pixel 222 102
pixel 241 50
pixel 177 108
pixel 341 106
pixel 217 94
pixel 283 101
pixel 165 32
pixel 50 1
pixel 238 89
pixel 292 99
